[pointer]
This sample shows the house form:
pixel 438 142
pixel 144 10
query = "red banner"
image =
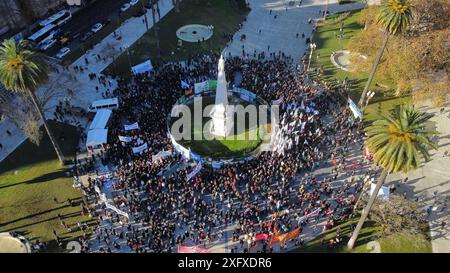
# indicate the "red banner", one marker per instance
pixel 261 236
pixel 191 249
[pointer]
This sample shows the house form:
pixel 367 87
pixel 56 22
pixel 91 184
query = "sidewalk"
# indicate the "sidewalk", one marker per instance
pixel 280 33
pixel 430 184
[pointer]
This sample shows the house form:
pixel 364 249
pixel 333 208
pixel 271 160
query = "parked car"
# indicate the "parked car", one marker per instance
pixel 134 2
pixel 96 28
pixel 125 7
pixel 63 52
pixel 47 44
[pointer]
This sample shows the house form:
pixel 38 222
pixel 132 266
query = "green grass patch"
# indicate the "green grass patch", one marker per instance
pixel 395 243
pixel 30 178
pixel 329 40
pixel 234 146
pixel 224 15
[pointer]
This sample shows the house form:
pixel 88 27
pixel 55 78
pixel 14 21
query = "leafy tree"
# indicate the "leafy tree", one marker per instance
pixel 398 140
pixel 23 70
pixel 398 214
pixel 416 63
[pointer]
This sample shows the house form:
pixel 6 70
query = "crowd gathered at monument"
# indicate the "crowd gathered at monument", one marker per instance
pixel 311 181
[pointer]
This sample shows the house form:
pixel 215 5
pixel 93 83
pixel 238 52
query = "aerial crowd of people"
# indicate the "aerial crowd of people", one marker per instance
pixel 314 179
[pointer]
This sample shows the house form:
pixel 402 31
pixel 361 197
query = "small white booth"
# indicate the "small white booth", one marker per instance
pixel 104 104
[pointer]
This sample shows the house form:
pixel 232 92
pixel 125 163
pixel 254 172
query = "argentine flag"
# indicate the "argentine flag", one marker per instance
pixel 184 84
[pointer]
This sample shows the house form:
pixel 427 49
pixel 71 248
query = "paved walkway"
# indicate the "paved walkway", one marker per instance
pixel 84 88
pixel 430 184
pixel 9 244
pixel 280 33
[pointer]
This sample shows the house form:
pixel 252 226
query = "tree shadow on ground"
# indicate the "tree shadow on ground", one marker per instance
pixel 40 179
pixel 28 153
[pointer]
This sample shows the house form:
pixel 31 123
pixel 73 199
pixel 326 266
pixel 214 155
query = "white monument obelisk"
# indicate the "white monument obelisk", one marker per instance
pixel 222 114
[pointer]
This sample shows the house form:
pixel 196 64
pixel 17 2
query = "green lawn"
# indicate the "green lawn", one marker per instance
pixel 396 243
pixel 372 110
pixel 30 178
pixel 233 146
pixel 224 15
pixel 327 41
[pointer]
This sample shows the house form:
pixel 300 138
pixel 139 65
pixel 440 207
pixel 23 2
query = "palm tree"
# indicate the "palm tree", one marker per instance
pixel 23 70
pixel 393 18
pixel 396 140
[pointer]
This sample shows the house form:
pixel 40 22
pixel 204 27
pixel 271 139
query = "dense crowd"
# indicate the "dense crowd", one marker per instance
pixel 274 192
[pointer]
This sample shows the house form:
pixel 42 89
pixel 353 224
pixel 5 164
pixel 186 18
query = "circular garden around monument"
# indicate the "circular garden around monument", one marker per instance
pixel 245 141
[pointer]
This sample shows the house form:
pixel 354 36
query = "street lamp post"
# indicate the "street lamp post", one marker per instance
pixel 127 48
pixel 145 14
pixel 312 46
pixel 326 10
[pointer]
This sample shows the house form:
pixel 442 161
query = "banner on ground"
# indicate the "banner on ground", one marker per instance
pixel 125 138
pixel 285 237
pixel 261 237
pixel 278 101
pixel 142 68
pixel 245 94
pixel 195 171
pixel 216 164
pixel 140 149
pixel 201 87
pixel 307 216
pixel 185 153
pixel 355 109
pixel 129 127
pixel 118 211
pixel 205 86
pixel 161 155
pixel 191 249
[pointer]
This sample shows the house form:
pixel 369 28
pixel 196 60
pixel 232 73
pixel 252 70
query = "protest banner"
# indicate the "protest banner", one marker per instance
pixel 195 171
pixel 134 126
pixel 125 139
pixel 191 249
pixel 140 149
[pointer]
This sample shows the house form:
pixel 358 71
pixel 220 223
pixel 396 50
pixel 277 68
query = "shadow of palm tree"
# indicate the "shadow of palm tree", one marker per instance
pixel 43 178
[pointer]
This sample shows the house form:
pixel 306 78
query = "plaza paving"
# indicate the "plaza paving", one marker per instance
pixel 430 184
pixel 280 33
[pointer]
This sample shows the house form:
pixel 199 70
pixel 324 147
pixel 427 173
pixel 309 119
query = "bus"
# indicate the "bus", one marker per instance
pixel 43 35
pixel 58 19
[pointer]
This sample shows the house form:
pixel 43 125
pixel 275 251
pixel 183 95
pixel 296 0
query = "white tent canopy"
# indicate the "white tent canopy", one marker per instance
pixel 96 138
pixel 101 119
pixel 142 68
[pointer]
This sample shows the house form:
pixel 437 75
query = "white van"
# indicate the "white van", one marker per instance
pixel 110 104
